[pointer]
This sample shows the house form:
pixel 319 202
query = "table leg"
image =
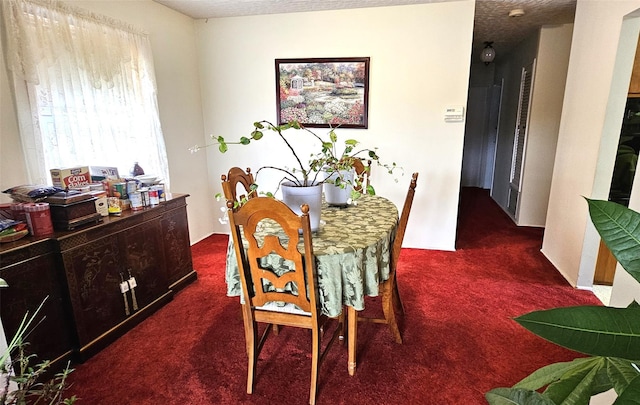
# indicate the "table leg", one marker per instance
pixel 352 319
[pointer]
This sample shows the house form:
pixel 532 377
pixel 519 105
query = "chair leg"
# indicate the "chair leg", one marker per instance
pixel 247 328
pixel 397 302
pixel 315 364
pixel 387 308
pixel 352 339
pixel 252 351
pixel 342 326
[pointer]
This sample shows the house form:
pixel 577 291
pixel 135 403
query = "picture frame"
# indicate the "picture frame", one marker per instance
pixel 323 92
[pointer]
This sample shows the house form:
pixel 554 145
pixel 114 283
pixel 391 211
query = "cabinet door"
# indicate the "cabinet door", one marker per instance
pixel 145 261
pixel 93 273
pixel 30 281
pixel 176 245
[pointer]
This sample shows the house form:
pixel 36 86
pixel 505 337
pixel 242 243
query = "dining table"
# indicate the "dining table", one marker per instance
pixel 352 248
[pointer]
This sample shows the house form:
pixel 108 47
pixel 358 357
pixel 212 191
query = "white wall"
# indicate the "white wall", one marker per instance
pixel 174 48
pixel 552 61
pixel 597 26
pixel 414 75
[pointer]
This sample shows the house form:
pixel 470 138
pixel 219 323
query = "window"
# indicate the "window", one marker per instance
pixel 85 88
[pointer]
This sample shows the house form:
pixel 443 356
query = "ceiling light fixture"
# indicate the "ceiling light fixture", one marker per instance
pixel 516 12
pixel 488 53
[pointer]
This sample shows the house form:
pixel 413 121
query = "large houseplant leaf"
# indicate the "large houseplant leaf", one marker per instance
pixel 619 228
pixel 631 394
pixel 594 330
pixel 551 373
pixel 516 396
pixel 621 373
pixel 575 387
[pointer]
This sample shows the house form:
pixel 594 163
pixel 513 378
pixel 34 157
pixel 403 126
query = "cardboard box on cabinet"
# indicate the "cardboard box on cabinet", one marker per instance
pixel 71 177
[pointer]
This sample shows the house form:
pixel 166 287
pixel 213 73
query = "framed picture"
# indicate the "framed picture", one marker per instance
pixel 323 92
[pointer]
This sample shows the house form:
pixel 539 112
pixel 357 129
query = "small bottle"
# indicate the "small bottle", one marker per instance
pixel 136 170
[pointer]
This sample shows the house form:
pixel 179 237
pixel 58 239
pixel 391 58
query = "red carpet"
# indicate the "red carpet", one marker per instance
pixel 459 339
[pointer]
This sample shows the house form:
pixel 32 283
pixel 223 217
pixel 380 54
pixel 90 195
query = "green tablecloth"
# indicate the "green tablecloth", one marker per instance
pixel 352 252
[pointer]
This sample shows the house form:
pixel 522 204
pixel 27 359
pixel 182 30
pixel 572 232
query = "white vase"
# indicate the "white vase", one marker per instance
pixel 335 195
pixel 295 196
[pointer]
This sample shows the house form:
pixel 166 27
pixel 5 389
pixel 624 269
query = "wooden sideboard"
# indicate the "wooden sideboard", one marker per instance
pixel 81 272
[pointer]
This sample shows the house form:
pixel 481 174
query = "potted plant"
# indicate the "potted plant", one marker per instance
pixel 329 165
pixel 341 183
pixel 611 336
pixel 20 380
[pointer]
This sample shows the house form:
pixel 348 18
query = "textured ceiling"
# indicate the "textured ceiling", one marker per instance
pixel 234 8
pixel 491 22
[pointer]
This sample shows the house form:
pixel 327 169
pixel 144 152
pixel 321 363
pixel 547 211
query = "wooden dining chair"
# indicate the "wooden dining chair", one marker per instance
pixel 363 172
pixel 290 298
pixel 230 183
pixel 391 302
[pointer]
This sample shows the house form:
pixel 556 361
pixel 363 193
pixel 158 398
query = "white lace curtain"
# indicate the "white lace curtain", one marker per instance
pixel 85 89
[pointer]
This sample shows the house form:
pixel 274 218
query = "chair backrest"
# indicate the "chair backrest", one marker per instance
pixel 404 218
pixel 363 172
pixel 284 244
pixel 231 180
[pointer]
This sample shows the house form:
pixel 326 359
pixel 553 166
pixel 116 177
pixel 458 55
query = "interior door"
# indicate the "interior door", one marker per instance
pixel 475 137
pixel 479 151
pixel 520 139
pixel 495 101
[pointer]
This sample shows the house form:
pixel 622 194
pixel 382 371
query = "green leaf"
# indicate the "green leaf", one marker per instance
pixel 333 136
pixel 553 372
pixel 351 142
pixel 602 382
pixel 621 372
pixel 631 394
pixel 256 135
pixel 619 228
pixel 575 386
pixel 512 396
pixel 594 330
pixel 244 140
pixel 258 125
pixel 220 139
pixel 371 190
pixel 223 147
pixel 3 283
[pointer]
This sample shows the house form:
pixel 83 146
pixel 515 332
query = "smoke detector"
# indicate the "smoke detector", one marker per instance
pixel 516 12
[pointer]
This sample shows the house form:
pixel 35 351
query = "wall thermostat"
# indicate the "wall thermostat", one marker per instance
pixel 454 114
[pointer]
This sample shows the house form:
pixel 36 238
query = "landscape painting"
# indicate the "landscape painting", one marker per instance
pixel 323 92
